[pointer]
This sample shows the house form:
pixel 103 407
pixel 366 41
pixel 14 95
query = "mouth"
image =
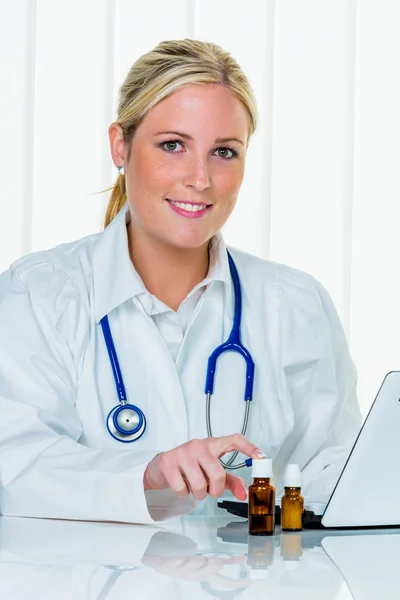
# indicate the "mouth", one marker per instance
pixel 191 210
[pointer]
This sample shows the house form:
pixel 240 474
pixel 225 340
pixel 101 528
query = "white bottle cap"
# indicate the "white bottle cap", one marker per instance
pixel 291 565
pixel 261 467
pixel 292 476
pixel 258 574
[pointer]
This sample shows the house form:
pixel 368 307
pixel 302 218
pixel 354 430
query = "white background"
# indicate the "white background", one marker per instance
pixel 321 190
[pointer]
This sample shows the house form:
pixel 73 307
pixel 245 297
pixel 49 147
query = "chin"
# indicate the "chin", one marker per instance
pixel 188 242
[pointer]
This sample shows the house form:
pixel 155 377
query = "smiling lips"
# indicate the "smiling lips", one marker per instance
pixel 189 209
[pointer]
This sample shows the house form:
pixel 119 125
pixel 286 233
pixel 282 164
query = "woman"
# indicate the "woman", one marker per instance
pixel 159 281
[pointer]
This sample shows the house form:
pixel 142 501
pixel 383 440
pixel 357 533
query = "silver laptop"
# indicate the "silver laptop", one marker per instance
pixel 368 563
pixel 368 490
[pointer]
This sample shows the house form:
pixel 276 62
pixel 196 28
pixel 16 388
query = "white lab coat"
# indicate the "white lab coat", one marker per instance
pixel 57 458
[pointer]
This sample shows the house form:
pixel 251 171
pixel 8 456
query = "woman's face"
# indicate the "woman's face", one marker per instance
pixel 201 163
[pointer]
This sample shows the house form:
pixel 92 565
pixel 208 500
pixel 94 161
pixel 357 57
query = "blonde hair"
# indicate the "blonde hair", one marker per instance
pixel 160 72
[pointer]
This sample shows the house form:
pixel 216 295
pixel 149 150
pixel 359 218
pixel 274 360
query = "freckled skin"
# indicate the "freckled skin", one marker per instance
pixel 198 170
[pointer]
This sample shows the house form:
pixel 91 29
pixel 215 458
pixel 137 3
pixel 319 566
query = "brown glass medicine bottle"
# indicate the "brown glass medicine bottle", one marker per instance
pixel 292 505
pixel 261 499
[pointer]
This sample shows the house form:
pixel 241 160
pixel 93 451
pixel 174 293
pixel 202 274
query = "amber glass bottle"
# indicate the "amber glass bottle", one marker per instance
pixel 261 499
pixel 292 501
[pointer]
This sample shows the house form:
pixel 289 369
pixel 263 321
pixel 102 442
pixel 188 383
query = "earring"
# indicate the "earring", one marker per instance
pixel 121 170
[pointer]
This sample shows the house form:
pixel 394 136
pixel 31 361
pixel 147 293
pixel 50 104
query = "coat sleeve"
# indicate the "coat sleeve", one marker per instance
pixel 326 390
pixel 323 470
pixel 44 470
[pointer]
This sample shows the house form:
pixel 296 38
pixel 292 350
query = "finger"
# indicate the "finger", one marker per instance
pixel 236 485
pixel 195 478
pixel 214 474
pixel 172 566
pixel 194 565
pixel 210 568
pixel 227 583
pixel 221 445
pixel 234 560
pixel 176 481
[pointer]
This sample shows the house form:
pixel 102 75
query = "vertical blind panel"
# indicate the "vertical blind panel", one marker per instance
pixel 311 182
pixel 375 301
pixel 17 42
pixel 140 27
pixel 248 226
pixel 70 119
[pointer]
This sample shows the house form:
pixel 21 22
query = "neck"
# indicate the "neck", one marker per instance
pixel 168 273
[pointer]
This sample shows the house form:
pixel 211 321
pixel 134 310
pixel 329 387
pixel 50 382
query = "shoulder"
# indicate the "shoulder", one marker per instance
pixel 279 278
pixel 53 286
pixel 50 271
pixel 45 299
pixel 307 314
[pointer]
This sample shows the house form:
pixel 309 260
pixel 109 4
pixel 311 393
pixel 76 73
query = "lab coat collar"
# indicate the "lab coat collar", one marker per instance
pixel 116 280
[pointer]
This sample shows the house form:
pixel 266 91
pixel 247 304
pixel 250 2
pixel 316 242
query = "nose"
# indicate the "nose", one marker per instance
pixel 196 174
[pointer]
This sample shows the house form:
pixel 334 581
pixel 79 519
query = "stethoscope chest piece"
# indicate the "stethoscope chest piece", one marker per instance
pixel 126 423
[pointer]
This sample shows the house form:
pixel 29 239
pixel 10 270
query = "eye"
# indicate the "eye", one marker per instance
pixel 233 152
pixel 166 146
pixel 169 143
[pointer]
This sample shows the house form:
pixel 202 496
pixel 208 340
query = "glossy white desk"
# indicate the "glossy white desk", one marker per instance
pixel 192 557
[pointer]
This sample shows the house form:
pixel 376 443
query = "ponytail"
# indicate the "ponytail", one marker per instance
pixel 117 200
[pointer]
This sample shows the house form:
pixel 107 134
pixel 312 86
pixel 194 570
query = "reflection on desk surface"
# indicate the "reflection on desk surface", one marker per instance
pixel 192 557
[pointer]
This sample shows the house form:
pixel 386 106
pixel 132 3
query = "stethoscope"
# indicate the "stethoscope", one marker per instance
pixel 127 422
pixel 116 571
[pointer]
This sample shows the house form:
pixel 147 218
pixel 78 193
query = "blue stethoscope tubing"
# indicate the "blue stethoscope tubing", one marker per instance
pixel 127 422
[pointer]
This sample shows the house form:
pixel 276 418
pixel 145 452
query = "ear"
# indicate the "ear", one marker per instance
pixel 117 145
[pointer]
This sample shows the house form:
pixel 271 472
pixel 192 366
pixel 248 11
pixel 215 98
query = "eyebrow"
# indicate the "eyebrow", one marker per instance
pixel 189 137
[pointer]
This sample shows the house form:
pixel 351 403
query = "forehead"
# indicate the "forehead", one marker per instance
pixel 202 108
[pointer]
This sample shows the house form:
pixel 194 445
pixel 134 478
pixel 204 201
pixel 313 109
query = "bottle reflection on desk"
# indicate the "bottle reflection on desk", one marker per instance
pixel 111 561
pixel 291 550
pixel 260 555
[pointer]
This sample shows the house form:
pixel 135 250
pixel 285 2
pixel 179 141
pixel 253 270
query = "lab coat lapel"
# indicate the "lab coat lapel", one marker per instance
pixel 150 377
pixel 211 327
pixel 159 383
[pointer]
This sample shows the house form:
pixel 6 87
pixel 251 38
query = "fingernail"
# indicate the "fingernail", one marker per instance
pixel 259 454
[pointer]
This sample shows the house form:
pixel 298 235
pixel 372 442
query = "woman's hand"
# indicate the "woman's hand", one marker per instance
pixel 194 467
pixel 198 568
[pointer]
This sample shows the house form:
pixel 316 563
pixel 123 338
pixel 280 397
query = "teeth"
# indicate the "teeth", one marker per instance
pixel 189 207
